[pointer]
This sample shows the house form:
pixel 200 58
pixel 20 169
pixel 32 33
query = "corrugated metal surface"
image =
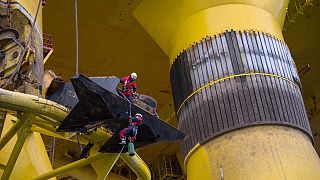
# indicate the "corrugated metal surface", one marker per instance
pixel 237 101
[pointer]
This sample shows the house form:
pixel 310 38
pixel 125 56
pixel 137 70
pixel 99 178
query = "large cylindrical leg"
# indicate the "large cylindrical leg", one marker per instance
pixel 21 69
pixel 236 89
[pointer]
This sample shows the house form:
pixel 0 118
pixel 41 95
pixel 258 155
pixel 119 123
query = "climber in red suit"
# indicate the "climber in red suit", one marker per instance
pixel 132 129
pixel 129 85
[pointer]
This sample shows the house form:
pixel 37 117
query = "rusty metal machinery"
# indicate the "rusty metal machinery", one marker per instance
pixel 21 55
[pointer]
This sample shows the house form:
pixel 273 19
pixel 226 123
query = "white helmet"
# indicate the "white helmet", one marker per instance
pixel 134 76
pixel 139 115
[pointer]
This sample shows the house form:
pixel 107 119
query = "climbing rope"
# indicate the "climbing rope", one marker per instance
pixel 130 104
pixel 114 162
pixel 78 139
pixel 77 36
pixel 125 97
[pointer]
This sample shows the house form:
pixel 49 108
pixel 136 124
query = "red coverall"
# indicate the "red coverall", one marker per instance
pixel 129 87
pixel 132 129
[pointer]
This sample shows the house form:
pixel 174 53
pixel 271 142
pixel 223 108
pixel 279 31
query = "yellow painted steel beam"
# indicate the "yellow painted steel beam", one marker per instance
pixel 50 133
pixel 22 135
pixel 99 136
pixel 42 107
pixel 71 166
pixel 2 166
pixel 47 56
pixel 108 165
pixel 33 104
pixel 85 172
pixel 24 102
pixel 47 120
pixel 37 153
pixel 13 130
pixel 137 165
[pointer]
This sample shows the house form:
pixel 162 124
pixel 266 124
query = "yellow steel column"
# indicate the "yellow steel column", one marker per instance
pixel 13 130
pixel 2 166
pixel 175 25
pixel 25 128
pixel 252 152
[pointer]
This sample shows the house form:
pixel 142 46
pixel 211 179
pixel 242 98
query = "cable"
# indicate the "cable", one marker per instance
pixel 23 52
pixel 78 138
pixel 77 36
pixel 125 97
pixel 114 162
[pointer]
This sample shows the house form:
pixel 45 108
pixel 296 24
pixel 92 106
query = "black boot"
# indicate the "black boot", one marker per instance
pixel 86 150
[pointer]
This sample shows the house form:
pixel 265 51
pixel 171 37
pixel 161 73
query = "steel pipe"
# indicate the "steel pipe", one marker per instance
pixel 71 166
pixel 7 137
pixel 33 104
pixel 137 165
pixel 42 107
pixel 22 135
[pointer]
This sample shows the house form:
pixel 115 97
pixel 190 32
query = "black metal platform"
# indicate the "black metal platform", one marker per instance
pixel 100 104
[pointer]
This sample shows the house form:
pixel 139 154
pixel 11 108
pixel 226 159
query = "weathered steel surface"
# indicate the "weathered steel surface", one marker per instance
pixel 273 97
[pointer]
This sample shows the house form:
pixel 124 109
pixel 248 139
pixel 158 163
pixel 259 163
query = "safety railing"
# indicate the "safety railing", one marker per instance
pixel 47 46
pixel 165 168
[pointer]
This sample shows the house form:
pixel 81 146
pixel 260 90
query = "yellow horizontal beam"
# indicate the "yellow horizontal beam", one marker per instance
pixel 33 104
pixel 50 133
pixel 47 56
pixel 71 166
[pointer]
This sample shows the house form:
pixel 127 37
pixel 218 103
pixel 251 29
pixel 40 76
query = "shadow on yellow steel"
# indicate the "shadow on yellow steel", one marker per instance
pixel 33 158
pixel 260 152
